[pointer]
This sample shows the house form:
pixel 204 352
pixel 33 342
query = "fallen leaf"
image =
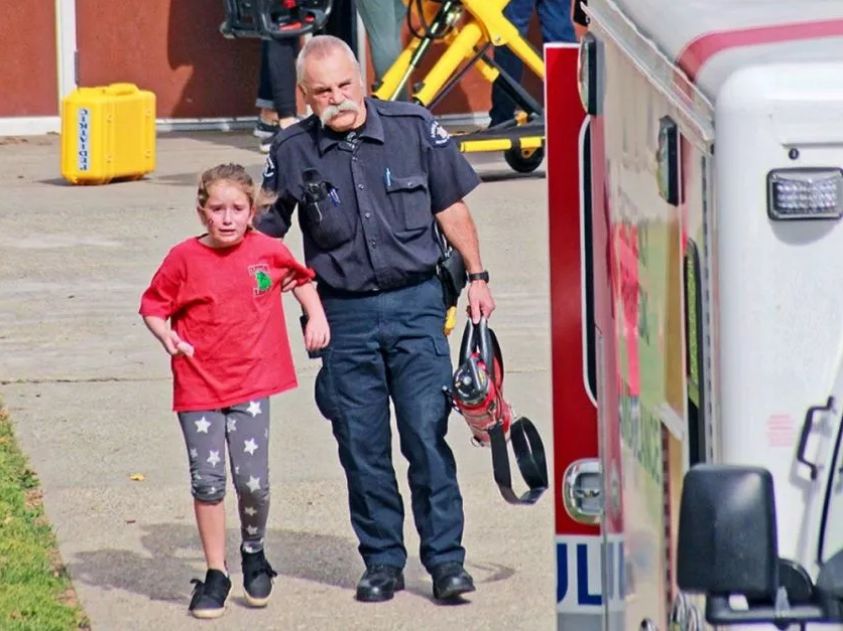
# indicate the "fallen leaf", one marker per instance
pixel 138 477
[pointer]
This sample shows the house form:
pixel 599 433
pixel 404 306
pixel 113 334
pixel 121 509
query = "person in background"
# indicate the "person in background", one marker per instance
pixel 385 173
pixel 579 16
pixel 215 306
pixel 276 89
pixel 556 26
pixel 383 20
pixel 342 22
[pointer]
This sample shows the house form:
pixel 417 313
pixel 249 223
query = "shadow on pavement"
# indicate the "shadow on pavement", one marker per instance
pixel 175 557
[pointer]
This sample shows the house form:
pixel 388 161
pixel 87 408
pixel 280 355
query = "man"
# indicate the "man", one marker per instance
pixel 386 170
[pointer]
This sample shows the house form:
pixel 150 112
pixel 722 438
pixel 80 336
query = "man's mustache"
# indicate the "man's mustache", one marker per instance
pixel 333 111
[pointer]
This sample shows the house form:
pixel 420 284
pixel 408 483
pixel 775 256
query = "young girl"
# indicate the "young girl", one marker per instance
pixel 215 306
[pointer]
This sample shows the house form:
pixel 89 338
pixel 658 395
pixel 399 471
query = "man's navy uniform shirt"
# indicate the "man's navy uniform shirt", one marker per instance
pixel 375 230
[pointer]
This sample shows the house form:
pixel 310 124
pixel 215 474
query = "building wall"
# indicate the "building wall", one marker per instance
pixel 28 51
pixel 171 47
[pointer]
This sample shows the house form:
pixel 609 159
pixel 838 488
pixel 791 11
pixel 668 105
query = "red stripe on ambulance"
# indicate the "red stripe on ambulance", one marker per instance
pixel 694 56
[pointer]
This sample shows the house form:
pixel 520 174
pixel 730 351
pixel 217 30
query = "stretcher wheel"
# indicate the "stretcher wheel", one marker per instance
pixel 524 160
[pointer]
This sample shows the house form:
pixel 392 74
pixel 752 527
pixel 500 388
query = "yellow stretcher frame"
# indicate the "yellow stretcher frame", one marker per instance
pixel 470 25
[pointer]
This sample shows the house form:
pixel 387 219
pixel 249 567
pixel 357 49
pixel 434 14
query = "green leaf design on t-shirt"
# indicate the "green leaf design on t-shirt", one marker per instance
pixel 263 280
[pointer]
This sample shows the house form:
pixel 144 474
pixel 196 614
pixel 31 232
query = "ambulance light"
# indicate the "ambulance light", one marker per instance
pixel 805 194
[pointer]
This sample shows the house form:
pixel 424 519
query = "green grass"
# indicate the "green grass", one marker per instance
pixel 35 591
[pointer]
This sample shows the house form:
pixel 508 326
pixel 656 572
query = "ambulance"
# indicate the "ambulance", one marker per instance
pixel 695 174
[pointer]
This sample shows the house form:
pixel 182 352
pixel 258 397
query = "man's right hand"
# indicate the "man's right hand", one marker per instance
pixel 480 301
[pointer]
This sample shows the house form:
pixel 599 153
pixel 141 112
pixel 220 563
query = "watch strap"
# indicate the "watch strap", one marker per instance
pixel 484 276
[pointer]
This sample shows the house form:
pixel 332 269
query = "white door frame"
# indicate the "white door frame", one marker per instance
pixel 65 33
pixel 66 46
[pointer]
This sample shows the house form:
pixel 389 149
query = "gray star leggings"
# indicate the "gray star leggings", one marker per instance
pixel 245 427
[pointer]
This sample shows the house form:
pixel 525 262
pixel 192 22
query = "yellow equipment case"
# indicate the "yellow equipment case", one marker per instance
pixel 107 133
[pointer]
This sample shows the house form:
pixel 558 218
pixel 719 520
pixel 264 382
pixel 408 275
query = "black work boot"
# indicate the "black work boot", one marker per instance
pixel 257 577
pixel 450 580
pixel 379 583
pixel 208 600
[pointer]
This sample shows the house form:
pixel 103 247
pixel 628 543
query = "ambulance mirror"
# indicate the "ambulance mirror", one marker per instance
pixel 727 532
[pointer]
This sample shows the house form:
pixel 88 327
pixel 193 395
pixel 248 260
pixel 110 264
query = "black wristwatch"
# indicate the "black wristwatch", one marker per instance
pixel 484 276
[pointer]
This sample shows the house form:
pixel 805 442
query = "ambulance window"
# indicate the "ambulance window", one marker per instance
pixel 694 355
pixel 668 160
pixel 588 272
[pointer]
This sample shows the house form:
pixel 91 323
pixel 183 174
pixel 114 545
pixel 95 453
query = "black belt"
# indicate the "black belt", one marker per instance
pixel 409 280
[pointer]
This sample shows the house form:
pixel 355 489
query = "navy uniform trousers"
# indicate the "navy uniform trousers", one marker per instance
pixel 390 345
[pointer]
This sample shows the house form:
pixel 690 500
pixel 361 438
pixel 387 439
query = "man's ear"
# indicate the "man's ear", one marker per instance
pixel 302 91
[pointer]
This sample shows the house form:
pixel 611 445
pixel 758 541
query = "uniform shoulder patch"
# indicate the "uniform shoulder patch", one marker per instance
pixel 269 168
pixel 438 134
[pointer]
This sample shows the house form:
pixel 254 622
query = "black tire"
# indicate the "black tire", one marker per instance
pixel 524 160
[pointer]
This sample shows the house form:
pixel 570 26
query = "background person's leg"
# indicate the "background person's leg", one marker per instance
pixel 383 20
pixel 342 22
pixel 281 56
pixel 267 123
pixel 555 21
pixel 519 13
pixel 264 100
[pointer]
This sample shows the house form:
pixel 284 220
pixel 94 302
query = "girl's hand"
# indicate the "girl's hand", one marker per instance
pixel 317 333
pixel 177 346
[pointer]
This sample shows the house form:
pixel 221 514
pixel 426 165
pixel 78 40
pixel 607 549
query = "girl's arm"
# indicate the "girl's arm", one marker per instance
pixel 169 339
pixel 317 334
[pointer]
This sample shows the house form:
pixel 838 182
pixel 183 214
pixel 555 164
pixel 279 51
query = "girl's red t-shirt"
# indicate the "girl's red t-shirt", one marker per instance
pixel 227 304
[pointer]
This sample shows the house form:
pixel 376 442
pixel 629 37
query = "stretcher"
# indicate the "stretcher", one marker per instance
pixel 274 19
pixel 471 29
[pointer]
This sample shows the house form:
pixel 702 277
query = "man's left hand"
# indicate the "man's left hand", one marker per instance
pixel 289 280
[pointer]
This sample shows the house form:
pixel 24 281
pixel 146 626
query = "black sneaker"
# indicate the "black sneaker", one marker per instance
pixel 257 578
pixel 208 600
pixel 265 130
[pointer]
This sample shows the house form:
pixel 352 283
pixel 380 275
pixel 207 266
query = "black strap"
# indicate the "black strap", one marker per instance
pixel 529 454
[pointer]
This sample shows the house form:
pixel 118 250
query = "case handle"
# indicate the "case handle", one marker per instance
pixel 121 89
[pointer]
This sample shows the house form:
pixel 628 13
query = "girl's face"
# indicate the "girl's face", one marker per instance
pixel 226 215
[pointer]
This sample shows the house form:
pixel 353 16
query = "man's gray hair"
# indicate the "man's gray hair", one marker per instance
pixel 321 46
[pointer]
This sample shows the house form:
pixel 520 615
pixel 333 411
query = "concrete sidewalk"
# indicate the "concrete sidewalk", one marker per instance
pixel 89 393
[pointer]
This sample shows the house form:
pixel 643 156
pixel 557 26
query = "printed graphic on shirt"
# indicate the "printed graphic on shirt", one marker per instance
pixel 268 168
pixel 438 135
pixel 263 283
